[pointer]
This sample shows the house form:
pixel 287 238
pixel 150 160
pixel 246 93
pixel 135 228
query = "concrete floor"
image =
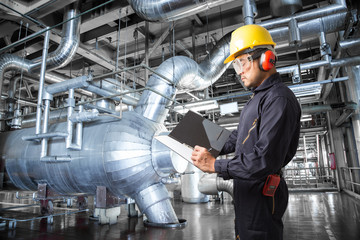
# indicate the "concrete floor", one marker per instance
pixel 312 215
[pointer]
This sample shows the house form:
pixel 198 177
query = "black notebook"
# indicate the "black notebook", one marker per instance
pixel 193 130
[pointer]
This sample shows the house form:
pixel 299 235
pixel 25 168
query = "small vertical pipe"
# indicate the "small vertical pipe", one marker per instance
pixel 305 160
pixel 42 80
pixel 193 40
pixel 44 141
pixel 294 33
pixel 318 155
pixel 79 130
pixel 248 14
pixel 70 110
pixel 332 146
pixel 305 152
pixel 324 46
pixel 146 50
pixel 118 45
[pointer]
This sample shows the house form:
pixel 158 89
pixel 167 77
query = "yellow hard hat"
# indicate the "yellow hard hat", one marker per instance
pixel 248 36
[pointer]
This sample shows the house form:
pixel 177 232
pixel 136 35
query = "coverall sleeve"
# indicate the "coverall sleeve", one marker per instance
pixel 277 126
pixel 229 147
pixel 230 144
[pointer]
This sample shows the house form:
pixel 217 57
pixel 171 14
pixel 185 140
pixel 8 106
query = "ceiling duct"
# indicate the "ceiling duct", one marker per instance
pixel 59 58
pixel 171 10
pixel 281 8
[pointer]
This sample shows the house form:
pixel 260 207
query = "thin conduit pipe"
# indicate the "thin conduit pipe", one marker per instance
pixel 349 43
pixel 41 84
pixel 248 14
pixel 343 45
pixel 44 141
pixel 350 61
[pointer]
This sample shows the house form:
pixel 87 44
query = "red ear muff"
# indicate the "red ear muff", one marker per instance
pixel 267 60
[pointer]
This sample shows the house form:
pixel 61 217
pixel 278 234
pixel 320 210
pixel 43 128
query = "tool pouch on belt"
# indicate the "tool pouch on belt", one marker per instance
pixel 271 184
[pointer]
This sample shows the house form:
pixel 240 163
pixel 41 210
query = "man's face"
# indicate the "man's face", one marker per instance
pixel 248 69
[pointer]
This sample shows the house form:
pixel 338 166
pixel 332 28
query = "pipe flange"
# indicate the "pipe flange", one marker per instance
pixel 182 224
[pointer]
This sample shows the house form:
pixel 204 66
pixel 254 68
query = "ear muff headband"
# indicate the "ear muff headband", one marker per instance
pixel 267 60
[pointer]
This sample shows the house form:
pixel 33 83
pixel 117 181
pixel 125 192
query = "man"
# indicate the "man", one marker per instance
pixel 265 141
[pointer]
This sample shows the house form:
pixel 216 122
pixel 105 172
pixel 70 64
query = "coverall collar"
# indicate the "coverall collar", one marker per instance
pixel 267 83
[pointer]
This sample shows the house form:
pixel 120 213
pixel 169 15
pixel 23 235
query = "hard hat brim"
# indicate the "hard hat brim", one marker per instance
pixel 229 58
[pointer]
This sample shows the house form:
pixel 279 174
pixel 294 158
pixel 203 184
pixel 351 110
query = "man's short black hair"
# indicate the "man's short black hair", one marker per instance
pixel 257 52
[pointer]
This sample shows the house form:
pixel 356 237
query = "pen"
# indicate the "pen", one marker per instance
pixel 209 149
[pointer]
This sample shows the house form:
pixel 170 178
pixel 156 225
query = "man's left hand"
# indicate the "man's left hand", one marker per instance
pixel 203 159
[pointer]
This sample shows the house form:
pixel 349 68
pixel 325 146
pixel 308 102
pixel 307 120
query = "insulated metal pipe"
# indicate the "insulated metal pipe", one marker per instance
pixel 285 7
pixel 55 116
pixel 184 73
pixel 349 43
pixel 350 61
pixel 308 28
pixel 67 47
pixel 304 16
pixel 189 185
pixel 11 94
pixel 294 33
pixel 171 10
pixel 44 141
pixel 354 94
pixel 248 14
pixel 61 56
pixel 70 110
pixel 152 201
pixel 79 82
pixel 127 99
pixel 34 35
pixel 41 83
pixel 211 184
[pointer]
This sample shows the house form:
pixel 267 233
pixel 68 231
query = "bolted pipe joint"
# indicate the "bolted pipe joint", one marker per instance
pixel 16 121
pixel 325 49
pixel 296 76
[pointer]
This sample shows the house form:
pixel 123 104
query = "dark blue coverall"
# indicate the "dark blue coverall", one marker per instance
pixel 265 141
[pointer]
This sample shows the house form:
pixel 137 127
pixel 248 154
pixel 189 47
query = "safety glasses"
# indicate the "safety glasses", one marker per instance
pixel 240 63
